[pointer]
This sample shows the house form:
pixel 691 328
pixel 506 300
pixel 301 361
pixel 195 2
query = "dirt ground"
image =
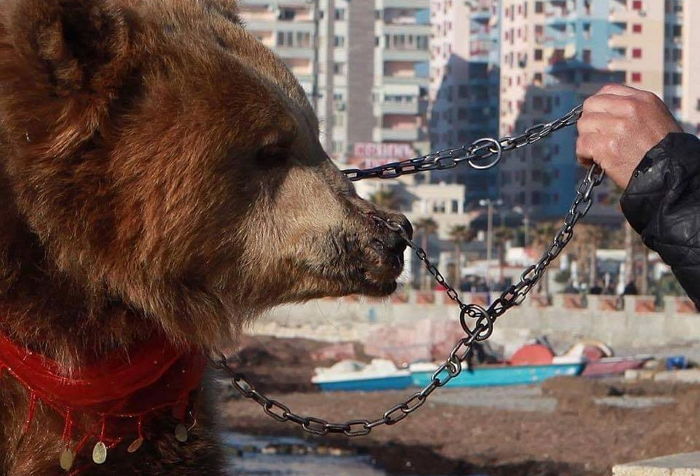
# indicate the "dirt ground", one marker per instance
pixel 567 426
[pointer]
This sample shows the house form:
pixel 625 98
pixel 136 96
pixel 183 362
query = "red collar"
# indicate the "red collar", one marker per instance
pixel 110 400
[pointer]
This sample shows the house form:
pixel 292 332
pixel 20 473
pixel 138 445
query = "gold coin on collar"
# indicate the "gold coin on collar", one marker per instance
pixel 181 433
pixel 99 453
pixel 67 458
pixel 135 445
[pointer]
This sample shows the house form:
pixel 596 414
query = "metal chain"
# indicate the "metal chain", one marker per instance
pixel 476 321
pixel 481 154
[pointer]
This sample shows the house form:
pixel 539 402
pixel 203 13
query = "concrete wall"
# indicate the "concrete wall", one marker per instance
pixel 566 320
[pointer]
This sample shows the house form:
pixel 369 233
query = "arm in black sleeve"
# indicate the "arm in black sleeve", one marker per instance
pixel 662 203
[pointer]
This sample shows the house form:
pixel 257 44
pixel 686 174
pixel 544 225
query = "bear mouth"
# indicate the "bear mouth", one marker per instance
pixel 381 269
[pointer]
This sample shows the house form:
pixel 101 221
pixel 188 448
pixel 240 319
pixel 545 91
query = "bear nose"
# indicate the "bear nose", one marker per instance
pixel 395 241
pixel 402 221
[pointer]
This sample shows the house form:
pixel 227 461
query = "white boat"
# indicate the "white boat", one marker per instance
pixel 351 375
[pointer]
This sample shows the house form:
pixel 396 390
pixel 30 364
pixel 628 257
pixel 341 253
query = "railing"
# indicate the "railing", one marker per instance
pixel 590 302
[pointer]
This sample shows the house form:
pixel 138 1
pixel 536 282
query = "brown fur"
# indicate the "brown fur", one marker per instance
pixel 159 169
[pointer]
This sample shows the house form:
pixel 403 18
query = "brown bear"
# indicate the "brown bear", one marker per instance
pixel 161 183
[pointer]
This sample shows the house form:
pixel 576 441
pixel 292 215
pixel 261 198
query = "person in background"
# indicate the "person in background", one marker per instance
pixel 634 138
pixel 596 289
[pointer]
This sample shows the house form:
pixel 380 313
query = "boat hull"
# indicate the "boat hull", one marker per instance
pixel 611 366
pixel 399 382
pixel 502 376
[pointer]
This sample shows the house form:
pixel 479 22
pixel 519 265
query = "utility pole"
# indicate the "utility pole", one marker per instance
pixel 316 47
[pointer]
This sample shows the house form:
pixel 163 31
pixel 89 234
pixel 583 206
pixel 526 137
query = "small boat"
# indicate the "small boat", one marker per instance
pixel 600 361
pixel 497 375
pixel 614 365
pixel 350 375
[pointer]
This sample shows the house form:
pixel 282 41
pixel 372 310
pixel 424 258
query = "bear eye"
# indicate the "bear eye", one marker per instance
pixel 272 156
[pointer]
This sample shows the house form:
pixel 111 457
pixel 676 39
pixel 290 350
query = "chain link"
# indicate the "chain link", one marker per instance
pixel 476 321
pixel 481 154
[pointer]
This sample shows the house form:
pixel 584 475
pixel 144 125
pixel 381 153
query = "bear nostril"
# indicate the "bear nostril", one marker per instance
pixel 404 223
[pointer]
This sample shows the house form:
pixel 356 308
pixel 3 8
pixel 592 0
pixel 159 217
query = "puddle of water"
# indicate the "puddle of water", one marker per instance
pixel 254 462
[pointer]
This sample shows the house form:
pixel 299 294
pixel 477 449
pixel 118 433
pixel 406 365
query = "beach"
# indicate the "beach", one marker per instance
pixel 566 426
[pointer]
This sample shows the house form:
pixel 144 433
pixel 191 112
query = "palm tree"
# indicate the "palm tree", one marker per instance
pixel 425 227
pixel 459 234
pixel 542 237
pixel 586 241
pixel 386 198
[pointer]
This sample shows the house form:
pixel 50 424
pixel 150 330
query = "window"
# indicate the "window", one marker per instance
pixel 697 106
pixel 636 28
pixel 339 41
pixel 538 54
pixel 339 14
pixel 537 78
pixel 338 68
pixel 676 102
pixel 286 14
pixel 587 56
pixel 637 5
pixel 636 52
pixel 539 7
pixel 636 77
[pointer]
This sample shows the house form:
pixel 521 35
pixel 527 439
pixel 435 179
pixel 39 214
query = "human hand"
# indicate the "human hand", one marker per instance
pixel 619 126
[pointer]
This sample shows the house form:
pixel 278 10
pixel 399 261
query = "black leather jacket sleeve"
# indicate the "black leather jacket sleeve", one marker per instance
pixel 662 203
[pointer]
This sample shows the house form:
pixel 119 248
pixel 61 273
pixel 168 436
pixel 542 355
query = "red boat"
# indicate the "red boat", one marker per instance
pixel 613 365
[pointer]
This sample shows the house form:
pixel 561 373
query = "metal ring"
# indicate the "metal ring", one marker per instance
pixel 480 312
pixel 498 152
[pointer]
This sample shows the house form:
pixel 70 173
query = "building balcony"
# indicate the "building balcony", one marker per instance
pixel 281 25
pixel 289 52
pixel 405 55
pixel 563 65
pixel 277 3
pixel 399 135
pixel 412 80
pixel 419 4
pixel 406 28
pixel 481 16
pixel 406 108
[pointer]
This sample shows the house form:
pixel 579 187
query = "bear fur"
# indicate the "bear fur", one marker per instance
pixel 160 171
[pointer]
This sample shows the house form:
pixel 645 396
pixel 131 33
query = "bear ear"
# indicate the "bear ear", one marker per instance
pixel 76 45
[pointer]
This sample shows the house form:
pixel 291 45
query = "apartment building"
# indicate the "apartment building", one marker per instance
pixel 554 54
pixel 363 64
pixel 464 78
pixel 681 62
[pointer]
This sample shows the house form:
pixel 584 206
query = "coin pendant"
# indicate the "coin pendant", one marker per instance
pixel 99 453
pixel 181 433
pixel 66 459
pixel 135 445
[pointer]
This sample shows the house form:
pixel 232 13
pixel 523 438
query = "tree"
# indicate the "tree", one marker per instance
pixel 459 234
pixel 542 237
pixel 586 241
pixel 386 198
pixel 425 227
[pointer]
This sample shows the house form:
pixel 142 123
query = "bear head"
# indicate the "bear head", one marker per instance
pixel 155 155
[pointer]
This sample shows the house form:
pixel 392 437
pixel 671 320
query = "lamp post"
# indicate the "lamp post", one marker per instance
pixel 526 223
pixel 489 204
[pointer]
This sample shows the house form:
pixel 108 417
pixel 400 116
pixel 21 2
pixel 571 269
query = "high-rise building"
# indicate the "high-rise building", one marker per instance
pixel 464 77
pixel 364 64
pixel 681 62
pixel 554 54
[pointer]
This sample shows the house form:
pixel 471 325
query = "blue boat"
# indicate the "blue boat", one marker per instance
pixel 493 376
pixel 352 376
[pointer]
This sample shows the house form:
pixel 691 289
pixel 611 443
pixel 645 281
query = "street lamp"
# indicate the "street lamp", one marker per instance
pixel 526 223
pixel 490 204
